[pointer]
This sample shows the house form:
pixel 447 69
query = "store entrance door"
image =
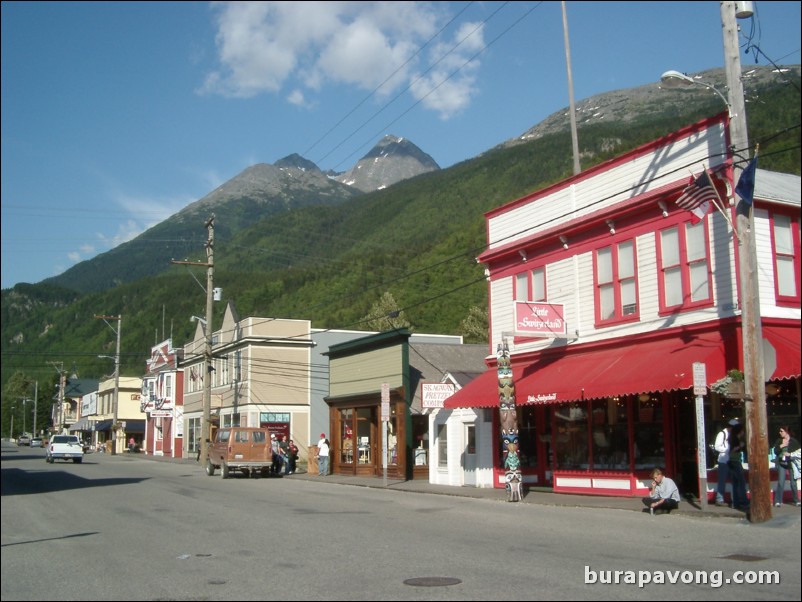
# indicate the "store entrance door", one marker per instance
pixel 469 455
pixel 366 450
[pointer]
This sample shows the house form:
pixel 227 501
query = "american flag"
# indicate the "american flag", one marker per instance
pixel 698 196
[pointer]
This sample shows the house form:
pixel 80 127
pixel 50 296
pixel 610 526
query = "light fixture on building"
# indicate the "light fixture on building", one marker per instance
pixel 611 225
pixel 564 240
pixel 663 208
pixel 644 397
pixel 522 253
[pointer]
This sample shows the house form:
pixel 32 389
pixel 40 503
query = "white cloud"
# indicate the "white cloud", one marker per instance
pixel 265 47
pixel 297 98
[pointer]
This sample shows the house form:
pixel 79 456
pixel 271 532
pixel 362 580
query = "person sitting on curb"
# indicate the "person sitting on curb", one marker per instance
pixel 664 495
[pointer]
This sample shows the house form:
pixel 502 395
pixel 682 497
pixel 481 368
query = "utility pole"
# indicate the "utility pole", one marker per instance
pixel 116 400
pixel 35 404
pixel 58 419
pixel 749 297
pixel 572 108
pixel 207 354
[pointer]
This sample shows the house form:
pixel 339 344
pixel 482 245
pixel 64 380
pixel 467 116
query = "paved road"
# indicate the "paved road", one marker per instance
pixel 131 528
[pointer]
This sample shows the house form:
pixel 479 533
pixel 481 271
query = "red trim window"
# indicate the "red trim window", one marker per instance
pixel 615 274
pixel 684 262
pixel 785 239
pixel 531 285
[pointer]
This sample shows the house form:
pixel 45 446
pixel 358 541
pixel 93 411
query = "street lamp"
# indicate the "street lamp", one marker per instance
pixel 672 80
pixel 116 358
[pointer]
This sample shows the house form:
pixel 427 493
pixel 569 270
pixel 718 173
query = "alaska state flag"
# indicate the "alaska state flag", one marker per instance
pixel 698 197
pixel 746 183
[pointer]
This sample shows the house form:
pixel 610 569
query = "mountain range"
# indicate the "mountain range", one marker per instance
pixel 292 241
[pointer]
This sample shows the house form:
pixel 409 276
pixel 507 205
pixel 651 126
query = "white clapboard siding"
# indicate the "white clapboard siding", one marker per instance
pixel 607 188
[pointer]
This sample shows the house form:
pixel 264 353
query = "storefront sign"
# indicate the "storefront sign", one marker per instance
pixel 541 398
pixel 539 319
pixel 433 395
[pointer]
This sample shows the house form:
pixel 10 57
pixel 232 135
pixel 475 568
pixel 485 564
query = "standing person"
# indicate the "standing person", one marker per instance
pixel 293 456
pixel 276 450
pixel 722 446
pixel 131 445
pixel 787 458
pixel 284 447
pixel 664 494
pixel 737 445
pixel 323 455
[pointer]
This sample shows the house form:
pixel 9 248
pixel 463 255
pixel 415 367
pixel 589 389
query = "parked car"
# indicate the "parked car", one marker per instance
pixel 23 440
pixel 246 449
pixel 36 442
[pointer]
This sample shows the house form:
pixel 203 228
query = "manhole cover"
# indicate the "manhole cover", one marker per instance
pixel 432 581
pixel 744 557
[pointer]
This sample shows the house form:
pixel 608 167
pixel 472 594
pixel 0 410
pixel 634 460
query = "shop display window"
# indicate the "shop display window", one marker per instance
pixel 347 436
pixel 571 437
pixel 610 439
pixel 648 448
pixel 420 439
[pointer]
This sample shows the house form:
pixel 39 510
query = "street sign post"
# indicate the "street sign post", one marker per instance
pixel 700 389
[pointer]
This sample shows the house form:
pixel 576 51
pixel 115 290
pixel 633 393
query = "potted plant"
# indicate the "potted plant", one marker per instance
pixel 732 385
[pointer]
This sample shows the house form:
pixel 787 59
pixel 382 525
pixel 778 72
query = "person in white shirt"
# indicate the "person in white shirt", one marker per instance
pixel 323 455
pixel 664 495
pixel 722 446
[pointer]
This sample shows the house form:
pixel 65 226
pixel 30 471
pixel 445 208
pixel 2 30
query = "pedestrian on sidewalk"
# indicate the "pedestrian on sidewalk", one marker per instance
pixel 664 495
pixel 323 455
pixel 786 458
pixel 735 465
pixel 722 446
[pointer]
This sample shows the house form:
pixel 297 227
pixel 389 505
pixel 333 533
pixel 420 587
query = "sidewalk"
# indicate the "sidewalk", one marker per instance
pixel 535 495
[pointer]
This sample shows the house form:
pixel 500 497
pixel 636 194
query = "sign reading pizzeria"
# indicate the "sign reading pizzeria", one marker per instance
pixel 539 319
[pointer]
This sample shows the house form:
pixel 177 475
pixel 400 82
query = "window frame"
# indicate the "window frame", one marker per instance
pixel 684 264
pixel 794 226
pixel 616 280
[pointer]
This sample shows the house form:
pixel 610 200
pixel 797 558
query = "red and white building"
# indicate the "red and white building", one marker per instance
pixel 163 402
pixel 636 291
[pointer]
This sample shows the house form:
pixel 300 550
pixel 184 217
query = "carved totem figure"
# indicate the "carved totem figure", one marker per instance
pixel 509 424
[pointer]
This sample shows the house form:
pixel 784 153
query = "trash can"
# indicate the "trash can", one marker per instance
pixel 311 459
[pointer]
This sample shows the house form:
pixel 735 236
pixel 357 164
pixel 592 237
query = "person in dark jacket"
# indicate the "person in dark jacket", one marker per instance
pixel 786 459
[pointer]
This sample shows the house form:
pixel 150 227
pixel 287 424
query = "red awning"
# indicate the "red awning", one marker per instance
pixel 786 344
pixel 481 392
pixel 657 365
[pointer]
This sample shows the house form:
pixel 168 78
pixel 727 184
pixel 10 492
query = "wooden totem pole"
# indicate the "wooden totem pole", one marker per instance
pixel 509 424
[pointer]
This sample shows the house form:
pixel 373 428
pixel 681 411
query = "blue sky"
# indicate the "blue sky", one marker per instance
pixel 116 115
